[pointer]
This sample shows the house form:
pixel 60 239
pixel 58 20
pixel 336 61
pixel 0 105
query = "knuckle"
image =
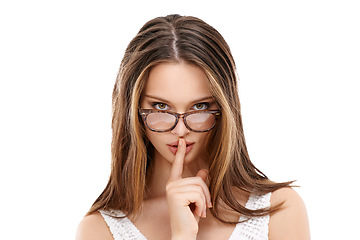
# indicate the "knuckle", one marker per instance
pixel 169 189
pixel 170 184
pixel 199 179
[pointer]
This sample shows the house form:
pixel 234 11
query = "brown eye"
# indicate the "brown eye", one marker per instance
pixel 160 106
pixel 201 106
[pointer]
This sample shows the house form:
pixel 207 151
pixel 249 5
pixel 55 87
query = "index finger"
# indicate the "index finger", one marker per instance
pixel 177 165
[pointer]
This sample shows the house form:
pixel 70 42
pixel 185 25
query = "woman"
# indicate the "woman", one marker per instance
pixel 180 167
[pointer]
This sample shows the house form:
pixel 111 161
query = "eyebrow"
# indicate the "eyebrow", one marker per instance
pixel 163 100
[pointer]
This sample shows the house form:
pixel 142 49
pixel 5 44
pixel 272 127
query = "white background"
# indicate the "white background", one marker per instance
pixel 298 63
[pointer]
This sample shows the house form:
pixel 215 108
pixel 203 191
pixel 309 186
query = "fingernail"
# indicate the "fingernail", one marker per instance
pixel 210 205
pixel 181 141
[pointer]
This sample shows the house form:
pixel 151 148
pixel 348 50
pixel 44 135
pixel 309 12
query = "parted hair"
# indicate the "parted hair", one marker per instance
pixel 176 38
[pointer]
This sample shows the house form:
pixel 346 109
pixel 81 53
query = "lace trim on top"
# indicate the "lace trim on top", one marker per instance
pixel 121 228
pixel 256 228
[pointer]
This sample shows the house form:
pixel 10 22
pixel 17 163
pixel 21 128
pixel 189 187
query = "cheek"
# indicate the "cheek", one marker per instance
pixel 156 139
pixel 204 142
pixel 150 135
pixel 203 137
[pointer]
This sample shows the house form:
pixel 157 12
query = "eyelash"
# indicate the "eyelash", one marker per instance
pixel 207 105
pixel 153 104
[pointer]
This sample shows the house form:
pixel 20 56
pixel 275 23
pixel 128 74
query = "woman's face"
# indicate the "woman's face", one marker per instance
pixel 177 87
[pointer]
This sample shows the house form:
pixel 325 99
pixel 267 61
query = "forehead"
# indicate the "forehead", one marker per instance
pixel 178 83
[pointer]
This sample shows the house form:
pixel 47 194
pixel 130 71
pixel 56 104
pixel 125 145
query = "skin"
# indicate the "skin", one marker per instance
pixel 180 180
pixel 178 88
pixel 181 192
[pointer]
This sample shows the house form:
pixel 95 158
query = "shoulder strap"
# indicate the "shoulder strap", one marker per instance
pixel 120 226
pixel 256 228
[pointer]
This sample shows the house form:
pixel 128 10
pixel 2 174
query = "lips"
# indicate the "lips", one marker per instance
pixel 174 146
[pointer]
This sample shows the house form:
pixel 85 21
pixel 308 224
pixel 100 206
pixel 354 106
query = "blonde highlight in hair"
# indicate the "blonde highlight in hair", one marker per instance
pixel 176 38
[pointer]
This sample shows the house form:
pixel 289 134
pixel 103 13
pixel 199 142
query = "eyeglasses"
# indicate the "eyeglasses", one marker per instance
pixel 164 121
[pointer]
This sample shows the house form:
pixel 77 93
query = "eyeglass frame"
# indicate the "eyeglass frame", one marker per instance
pixel 145 112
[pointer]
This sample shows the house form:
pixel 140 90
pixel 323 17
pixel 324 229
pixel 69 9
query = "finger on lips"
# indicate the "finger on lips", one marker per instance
pixel 194 187
pixel 177 165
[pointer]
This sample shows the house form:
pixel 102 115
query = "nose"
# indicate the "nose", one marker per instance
pixel 180 129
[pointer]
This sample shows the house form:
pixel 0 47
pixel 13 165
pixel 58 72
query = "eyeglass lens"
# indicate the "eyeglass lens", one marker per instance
pixel 165 121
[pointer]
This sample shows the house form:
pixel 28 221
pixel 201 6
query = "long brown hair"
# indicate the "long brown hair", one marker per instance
pixel 177 38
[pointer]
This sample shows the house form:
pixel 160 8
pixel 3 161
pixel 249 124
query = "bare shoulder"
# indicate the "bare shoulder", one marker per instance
pixel 291 221
pixel 93 227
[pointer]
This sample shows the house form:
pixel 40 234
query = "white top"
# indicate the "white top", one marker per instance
pixel 256 228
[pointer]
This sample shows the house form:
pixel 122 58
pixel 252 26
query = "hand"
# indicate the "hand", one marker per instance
pixel 183 193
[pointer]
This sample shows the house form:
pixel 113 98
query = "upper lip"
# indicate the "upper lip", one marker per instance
pixel 175 144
